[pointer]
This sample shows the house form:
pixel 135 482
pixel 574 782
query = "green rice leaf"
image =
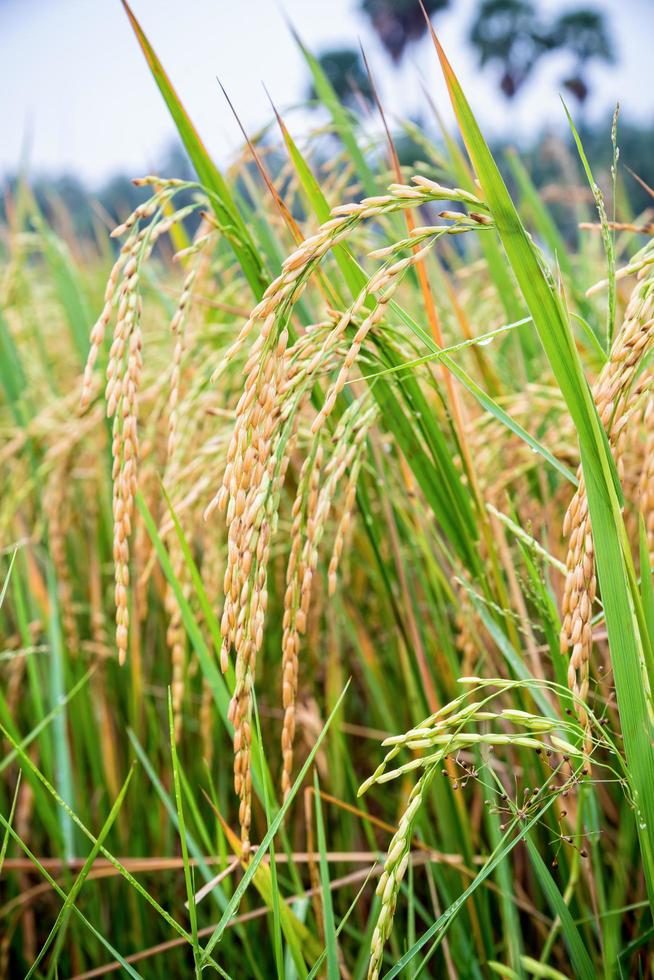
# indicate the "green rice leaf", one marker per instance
pixel 227 214
pixel 581 961
pixel 621 599
pixel 333 971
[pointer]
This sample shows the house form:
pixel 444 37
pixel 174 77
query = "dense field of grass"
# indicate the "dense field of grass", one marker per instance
pixel 311 662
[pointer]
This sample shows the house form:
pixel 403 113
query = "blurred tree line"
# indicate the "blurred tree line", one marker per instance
pixel 510 36
pixel 87 212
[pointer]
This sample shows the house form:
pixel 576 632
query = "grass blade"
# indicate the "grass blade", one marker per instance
pixel 581 961
pixel 272 830
pixel 58 927
pixel 188 878
pixel 327 908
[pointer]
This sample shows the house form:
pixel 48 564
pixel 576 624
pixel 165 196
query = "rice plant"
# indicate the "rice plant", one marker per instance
pixel 326 598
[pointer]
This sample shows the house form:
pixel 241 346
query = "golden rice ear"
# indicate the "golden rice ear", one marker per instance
pixel 57 508
pixel 124 373
pixel 263 434
pixel 645 465
pixel 616 400
pixel 297 599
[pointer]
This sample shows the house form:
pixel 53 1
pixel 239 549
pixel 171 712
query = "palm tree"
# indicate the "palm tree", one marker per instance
pixel 398 22
pixel 508 32
pixel 345 70
pixel 583 34
pixel 505 32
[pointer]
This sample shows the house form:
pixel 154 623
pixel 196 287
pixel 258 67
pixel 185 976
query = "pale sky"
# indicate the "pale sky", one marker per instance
pixel 76 89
